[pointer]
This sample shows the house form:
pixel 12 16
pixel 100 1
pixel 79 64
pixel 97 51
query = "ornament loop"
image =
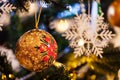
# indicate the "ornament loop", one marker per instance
pixel 37 18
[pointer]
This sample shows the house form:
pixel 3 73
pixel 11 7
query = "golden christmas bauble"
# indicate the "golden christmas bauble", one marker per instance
pixel 114 13
pixel 36 50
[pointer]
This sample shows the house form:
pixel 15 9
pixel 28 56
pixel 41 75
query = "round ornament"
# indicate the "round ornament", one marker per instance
pixel 36 50
pixel 114 13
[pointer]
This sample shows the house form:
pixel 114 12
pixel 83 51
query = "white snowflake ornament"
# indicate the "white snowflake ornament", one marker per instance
pixel 5 9
pixel 87 39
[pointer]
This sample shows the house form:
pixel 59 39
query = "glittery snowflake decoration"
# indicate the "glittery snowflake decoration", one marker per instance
pixel 87 39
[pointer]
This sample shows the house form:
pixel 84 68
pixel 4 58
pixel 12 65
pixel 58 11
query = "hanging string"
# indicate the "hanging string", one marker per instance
pixel 89 7
pixel 82 7
pixel 37 18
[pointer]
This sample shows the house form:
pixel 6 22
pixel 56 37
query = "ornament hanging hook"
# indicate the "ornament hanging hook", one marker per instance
pixel 37 17
pixel 89 7
pixel 82 7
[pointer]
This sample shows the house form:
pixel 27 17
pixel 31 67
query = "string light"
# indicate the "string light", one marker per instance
pixel 62 26
pixel 57 64
pixel 11 76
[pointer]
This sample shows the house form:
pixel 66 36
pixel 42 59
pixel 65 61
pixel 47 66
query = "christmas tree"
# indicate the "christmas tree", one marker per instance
pixel 77 42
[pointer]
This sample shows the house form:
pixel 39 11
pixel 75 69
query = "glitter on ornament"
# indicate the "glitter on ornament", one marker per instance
pixel 36 50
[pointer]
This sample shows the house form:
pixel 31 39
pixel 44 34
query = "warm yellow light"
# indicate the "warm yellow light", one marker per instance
pixel 111 10
pixel 44 79
pixel 93 77
pixel 62 26
pixel 72 65
pixel 88 60
pixel 4 77
pixel 63 23
pixel 81 42
pixel 92 67
pixel 57 64
pixel 11 76
pixel 71 74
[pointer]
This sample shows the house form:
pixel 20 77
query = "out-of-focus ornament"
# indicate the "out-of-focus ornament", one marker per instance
pixel 5 19
pixel 116 40
pixel 119 74
pixel 11 58
pixel 4 77
pixel 58 64
pixel 11 76
pixel 32 9
pixel 114 13
pixel 6 8
pixel 61 25
pixel 36 50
